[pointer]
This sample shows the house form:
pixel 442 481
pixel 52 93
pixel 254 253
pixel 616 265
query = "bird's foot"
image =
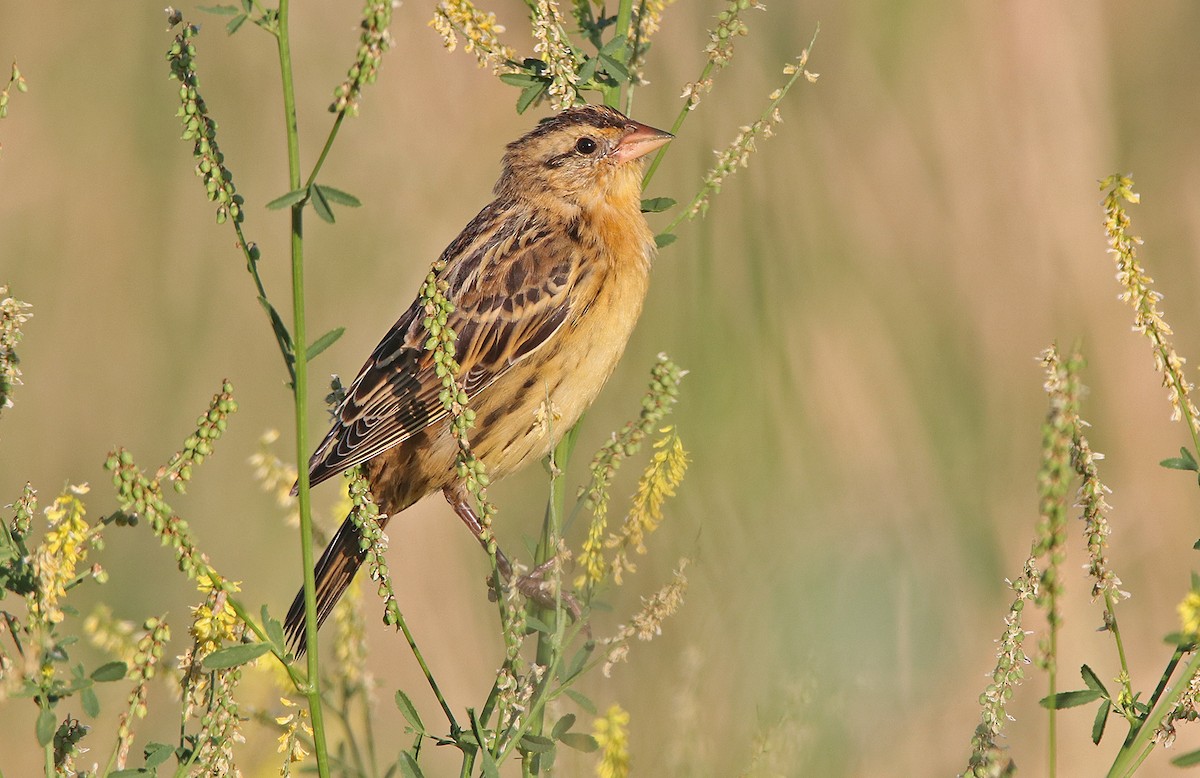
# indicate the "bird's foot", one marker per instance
pixel 536 585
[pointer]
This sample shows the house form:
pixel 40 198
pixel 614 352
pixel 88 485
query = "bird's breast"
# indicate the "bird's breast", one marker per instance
pixel 527 410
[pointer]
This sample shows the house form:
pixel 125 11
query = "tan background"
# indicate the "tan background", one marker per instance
pixel 861 314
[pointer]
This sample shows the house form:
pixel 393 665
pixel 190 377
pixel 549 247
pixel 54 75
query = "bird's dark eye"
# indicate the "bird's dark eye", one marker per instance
pixel 585 145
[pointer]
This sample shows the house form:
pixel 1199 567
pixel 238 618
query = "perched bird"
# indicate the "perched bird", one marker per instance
pixel 547 282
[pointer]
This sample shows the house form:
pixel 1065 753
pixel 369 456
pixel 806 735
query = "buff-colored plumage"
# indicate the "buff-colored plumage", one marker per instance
pixel 547 283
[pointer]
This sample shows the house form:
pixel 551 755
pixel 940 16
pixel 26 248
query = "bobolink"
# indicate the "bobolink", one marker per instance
pixel 547 282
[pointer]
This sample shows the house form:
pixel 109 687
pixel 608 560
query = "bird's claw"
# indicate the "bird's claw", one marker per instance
pixel 535 586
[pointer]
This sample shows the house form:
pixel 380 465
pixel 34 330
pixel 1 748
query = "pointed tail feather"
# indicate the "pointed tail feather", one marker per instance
pixel 334 572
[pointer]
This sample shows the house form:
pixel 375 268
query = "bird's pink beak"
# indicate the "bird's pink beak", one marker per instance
pixel 639 142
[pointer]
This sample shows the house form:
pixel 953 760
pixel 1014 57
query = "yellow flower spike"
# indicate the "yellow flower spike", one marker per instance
pixel 612 735
pixel 1189 613
pixel 659 481
pixel 61 551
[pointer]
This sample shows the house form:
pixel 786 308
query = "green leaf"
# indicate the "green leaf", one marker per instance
pixel 1069 699
pixel 324 342
pixel 488 762
pixel 657 204
pixel 617 44
pixel 582 701
pixel 90 702
pixel 1190 759
pixel 157 753
pixel 579 742
pixel 523 80
pixel 274 631
pixel 1184 640
pixel 576 665
pixel 321 205
pixel 562 726
pixel 615 68
pixel 111 671
pixel 536 743
pixel 291 198
pixel 1101 720
pixel 232 656
pixel 1185 461
pixel 664 239
pixel 1092 680
pixel 409 711
pixel 281 330
pixel 46 724
pixel 490 768
pixel 235 24
pixel 409 767
pixel 530 94
pixel 537 624
pixel 220 10
pixel 338 196
pixel 587 70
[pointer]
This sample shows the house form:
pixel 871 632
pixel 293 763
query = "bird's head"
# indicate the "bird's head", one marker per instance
pixel 580 155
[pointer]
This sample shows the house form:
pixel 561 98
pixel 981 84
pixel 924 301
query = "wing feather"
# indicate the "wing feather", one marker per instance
pixel 511 287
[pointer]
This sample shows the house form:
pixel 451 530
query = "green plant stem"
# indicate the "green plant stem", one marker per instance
pixel 300 393
pixel 624 17
pixel 1110 604
pixel 437 692
pixel 543 696
pixel 1052 675
pixel 679 120
pixel 612 93
pixel 548 646
pixel 634 44
pixel 48 751
pixel 365 698
pixel 469 754
pixel 1166 676
pixel 1137 749
pixel 333 132
pixel 343 713
pixel 687 212
pixel 285 348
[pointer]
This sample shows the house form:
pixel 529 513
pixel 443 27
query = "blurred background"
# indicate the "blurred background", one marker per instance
pixel 861 314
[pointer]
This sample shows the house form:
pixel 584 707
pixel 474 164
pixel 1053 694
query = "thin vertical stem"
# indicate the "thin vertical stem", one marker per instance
pixel 612 94
pixel 300 393
pixel 547 642
pixel 48 751
pixel 1110 604
pixel 679 119
pixel 1052 673
pixel 1136 749
pixel 624 17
